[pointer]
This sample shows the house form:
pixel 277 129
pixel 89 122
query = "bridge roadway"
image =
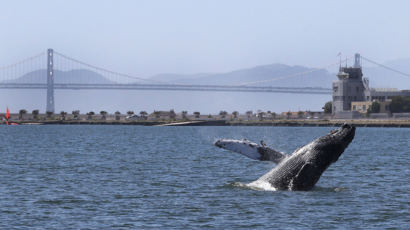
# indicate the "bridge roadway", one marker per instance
pixel 171 87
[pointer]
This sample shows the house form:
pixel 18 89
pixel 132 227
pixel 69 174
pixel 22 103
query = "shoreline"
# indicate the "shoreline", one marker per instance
pixel 285 123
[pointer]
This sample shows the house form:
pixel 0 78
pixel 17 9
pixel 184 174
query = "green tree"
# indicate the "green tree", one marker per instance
pixel 143 115
pixel 184 114
pixel 288 114
pixel 117 115
pixel 62 115
pixel 103 115
pixel 249 114
pixel 35 114
pixel 235 114
pixel 76 114
pixel 261 115
pixel 328 107
pixel 269 114
pixel 400 105
pixel 374 107
pixel 21 113
pixel 197 114
pixel 90 115
pixel 157 114
pixel 223 113
pixel 172 114
pixel 49 114
pixel 300 114
pixel 273 115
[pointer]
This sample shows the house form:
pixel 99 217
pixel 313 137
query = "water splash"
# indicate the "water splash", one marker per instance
pixel 261 185
pixel 256 185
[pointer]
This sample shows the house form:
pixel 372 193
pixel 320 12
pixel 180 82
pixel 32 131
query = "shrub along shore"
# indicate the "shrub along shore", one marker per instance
pixel 170 118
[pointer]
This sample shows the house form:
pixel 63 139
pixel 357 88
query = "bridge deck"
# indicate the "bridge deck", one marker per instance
pixel 171 87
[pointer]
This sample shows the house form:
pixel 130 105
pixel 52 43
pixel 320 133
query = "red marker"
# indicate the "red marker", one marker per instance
pixel 7 115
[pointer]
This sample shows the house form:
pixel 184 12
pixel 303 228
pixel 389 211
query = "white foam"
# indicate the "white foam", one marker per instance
pixel 261 185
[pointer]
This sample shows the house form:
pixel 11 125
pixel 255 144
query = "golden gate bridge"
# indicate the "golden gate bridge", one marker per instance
pixel 41 70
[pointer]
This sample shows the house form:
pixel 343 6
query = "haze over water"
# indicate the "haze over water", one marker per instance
pixel 133 177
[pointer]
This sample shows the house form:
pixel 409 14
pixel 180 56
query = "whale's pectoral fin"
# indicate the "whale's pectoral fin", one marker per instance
pixel 268 154
pixel 307 176
pixel 251 150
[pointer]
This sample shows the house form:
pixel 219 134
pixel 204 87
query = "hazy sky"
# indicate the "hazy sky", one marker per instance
pixel 143 38
pixel 149 37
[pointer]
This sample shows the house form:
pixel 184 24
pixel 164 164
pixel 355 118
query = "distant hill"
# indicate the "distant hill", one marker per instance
pixel 78 76
pixel 172 77
pixel 281 75
pixel 265 75
pixel 271 75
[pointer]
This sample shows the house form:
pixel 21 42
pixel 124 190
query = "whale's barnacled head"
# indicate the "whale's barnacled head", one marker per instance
pixel 331 146
pixel 319 155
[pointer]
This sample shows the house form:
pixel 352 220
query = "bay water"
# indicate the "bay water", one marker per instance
pixel 135 177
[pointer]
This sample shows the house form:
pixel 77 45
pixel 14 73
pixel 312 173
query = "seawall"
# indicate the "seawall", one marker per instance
pixel 312 123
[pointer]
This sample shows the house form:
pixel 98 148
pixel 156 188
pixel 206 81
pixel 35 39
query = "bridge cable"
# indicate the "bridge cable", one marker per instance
pixel 22 61
pixel 105 70
pixel 294 74
pixel 386 67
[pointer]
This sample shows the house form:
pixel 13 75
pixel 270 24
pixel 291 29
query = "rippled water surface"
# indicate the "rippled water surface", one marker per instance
pixel 115 177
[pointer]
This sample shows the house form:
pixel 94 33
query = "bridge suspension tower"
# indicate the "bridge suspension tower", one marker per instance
pixel 50 81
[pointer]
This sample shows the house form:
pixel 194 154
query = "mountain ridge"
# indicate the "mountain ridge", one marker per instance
pixel 277 74
pixel 79 76
pixel 270 75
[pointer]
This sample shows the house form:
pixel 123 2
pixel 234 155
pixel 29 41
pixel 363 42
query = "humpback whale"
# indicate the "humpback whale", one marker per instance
pixel 302 169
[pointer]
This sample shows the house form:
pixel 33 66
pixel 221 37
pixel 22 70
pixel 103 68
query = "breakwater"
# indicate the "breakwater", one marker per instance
pixel 308 123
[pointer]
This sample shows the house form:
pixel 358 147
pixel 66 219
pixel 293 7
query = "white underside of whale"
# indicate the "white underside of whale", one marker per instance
pixel 252 150
pixel 244 147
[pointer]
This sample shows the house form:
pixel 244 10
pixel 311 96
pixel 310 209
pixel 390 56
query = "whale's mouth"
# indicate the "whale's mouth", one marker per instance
pixel 345 133
pixel 340 137
pixel 219 144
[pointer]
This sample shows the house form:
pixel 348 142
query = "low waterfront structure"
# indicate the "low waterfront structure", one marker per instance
pixel 349 87
pixel 162 115
pixel 303 115
pixel 386 94
pixel 363 106
pixel 352 95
